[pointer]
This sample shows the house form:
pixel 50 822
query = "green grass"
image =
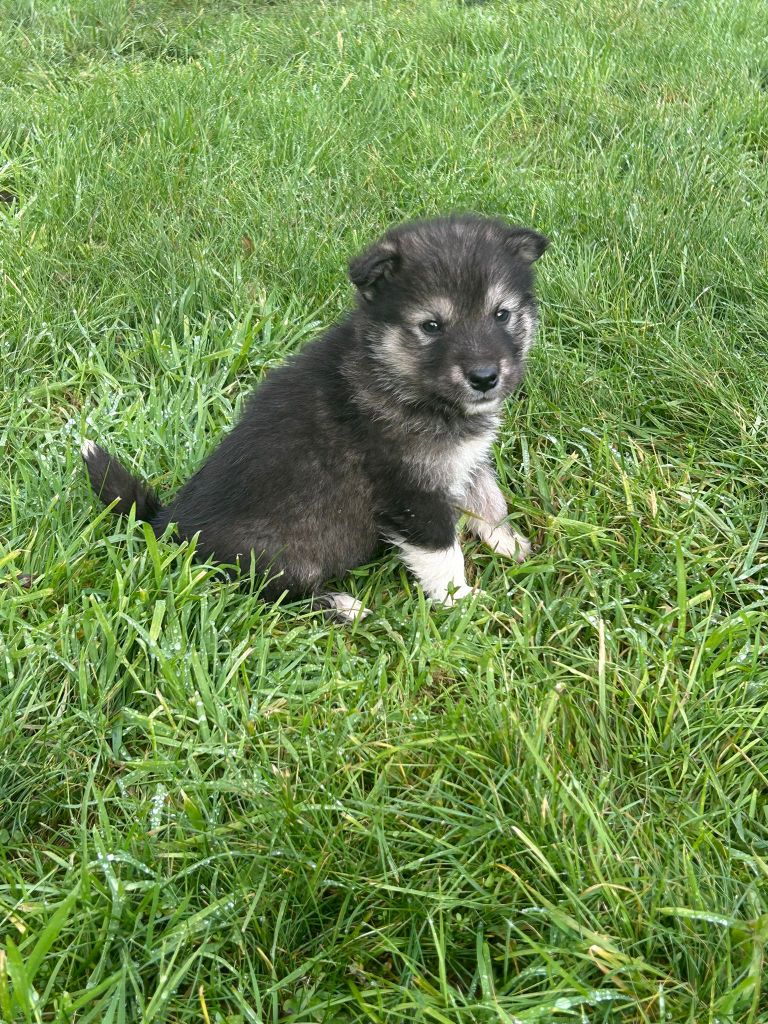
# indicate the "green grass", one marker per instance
pixel 548 805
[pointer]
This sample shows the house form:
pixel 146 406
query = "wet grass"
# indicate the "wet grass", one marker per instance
pixel 547 805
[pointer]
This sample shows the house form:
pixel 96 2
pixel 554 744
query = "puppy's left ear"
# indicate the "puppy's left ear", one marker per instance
pixel 525 244
pixel 377 264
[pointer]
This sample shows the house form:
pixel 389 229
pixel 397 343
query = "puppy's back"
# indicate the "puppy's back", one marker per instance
pixel 291 467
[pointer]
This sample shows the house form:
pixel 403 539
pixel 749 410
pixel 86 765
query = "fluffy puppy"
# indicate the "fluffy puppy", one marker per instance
pixel 378 431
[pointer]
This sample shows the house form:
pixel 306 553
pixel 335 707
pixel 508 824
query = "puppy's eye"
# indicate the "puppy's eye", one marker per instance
pixel 501 315
pixel 430 326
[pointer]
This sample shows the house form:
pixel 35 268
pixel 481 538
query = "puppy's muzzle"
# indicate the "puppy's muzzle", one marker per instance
pixel 483 378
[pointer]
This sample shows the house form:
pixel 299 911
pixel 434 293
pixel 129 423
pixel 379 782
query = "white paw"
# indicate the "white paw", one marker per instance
pixel 459 593
pixel 508 544
pixel 345 608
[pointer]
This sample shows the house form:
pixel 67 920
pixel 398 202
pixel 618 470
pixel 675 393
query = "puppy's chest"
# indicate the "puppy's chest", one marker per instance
pixel 449 466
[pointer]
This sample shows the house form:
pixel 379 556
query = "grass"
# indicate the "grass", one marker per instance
pixel 549 805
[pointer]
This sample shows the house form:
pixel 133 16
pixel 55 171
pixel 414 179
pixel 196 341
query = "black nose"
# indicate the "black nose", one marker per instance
pixel 483 378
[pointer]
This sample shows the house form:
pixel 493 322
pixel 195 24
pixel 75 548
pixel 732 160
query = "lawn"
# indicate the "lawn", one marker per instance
pixel 548 804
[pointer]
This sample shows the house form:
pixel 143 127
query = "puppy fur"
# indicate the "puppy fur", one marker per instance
pixel 378 431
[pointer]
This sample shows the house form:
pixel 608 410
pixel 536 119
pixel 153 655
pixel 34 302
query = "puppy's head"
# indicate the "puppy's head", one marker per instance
pixel 448 309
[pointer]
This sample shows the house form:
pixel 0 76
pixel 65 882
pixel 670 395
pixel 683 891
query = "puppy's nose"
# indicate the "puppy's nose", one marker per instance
pixel 483 378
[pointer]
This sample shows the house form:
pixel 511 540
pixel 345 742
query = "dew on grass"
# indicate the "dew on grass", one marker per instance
pixel 157 806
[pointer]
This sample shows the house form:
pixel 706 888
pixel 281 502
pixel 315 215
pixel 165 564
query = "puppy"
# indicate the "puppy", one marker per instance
pixel 379 431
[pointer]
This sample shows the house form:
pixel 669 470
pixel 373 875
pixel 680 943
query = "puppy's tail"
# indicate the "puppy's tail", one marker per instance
pixel 111 481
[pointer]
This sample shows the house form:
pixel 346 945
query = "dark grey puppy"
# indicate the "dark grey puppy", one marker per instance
pixel 379 431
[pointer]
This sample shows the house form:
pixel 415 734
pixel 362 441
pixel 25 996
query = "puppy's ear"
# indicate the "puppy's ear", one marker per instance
pixel 525 244
pixel 377 264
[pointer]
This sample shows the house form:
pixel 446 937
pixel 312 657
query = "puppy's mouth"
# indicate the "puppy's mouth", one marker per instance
pixel 488 401
pixel 484 384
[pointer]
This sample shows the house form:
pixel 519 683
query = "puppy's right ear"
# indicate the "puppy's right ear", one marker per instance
pixel 374 266
pixel 525 244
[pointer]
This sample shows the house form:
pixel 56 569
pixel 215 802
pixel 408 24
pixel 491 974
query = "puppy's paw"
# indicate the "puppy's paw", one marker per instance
pixel 342 608
pixel 508 544
pixel 460 593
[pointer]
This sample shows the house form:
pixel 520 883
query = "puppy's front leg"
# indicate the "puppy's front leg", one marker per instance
pixel 440 571
pixel 487 510
pixel 423 528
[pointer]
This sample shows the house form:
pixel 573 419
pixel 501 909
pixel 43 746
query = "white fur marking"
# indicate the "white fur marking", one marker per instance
pixel 500 296
pixel 439 572
pixel 473 408
pixel 439 307
pixel 528 325
pixel 449 466
pixel 346 607
pixel 505 542
pixel 468 456
pixel 487 508
pixel 88 450
pixel 393 352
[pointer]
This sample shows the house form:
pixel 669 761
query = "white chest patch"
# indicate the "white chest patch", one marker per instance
pixel 449 466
